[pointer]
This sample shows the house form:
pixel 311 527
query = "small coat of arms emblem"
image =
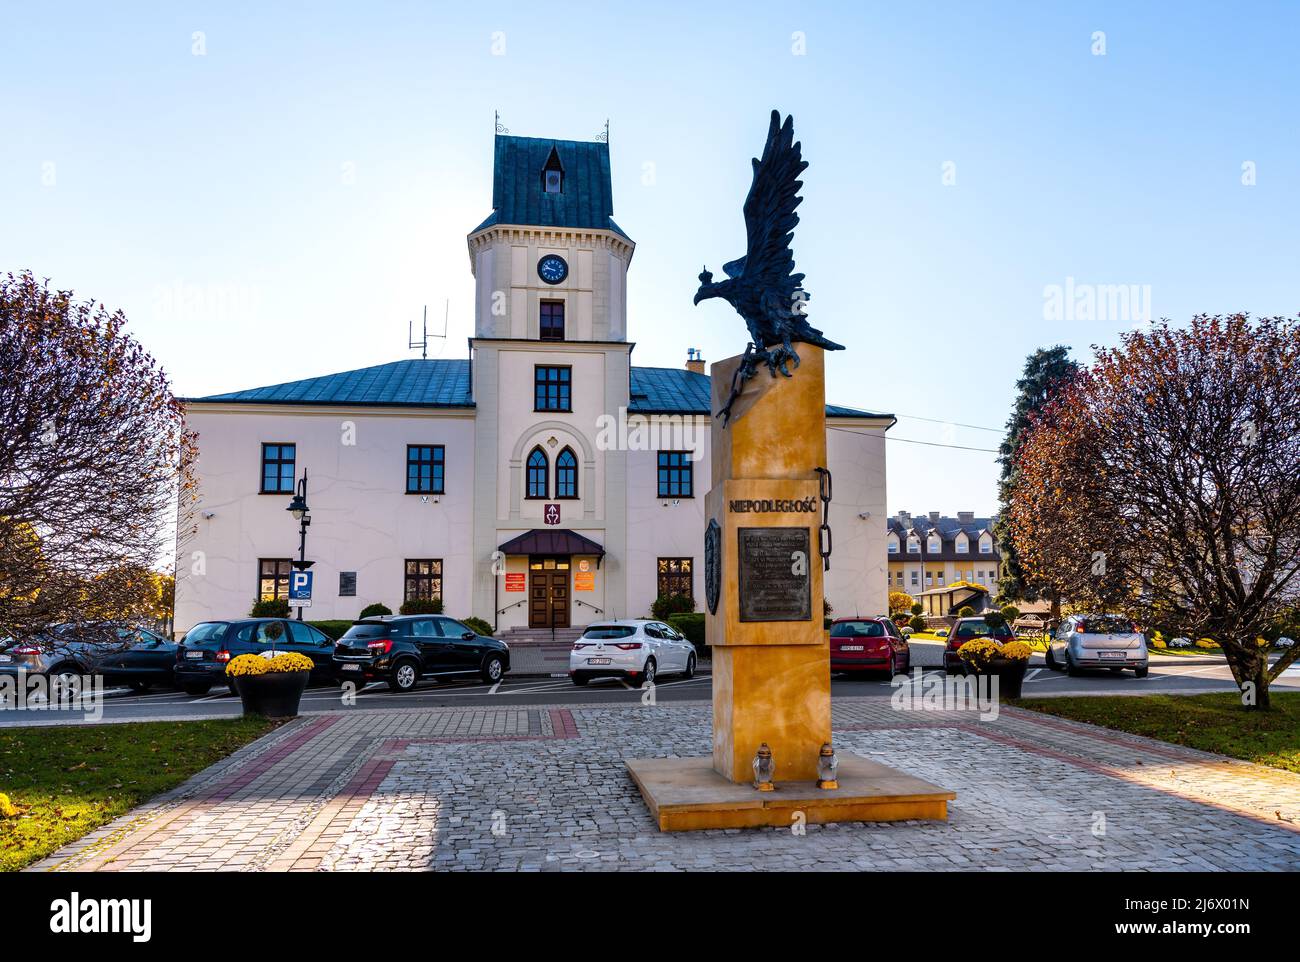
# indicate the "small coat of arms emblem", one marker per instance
pixel 712 565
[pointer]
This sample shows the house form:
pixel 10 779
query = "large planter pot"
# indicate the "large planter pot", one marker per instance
pixel 275 694
pixel 1010 672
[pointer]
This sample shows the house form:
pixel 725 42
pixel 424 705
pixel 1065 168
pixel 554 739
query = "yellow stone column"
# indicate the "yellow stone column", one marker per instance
pixel 771 671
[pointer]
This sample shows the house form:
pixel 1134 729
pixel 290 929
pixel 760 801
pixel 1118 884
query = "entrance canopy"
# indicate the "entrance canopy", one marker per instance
pixel 552 541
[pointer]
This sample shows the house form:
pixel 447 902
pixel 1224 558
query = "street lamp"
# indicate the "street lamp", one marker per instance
pixel 298 508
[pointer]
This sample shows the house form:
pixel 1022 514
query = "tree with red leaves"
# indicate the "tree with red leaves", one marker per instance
pixel 94 460
pixel 1164 484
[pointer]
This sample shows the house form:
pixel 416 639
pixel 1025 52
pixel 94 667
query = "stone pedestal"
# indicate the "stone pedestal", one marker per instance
pixel 771 663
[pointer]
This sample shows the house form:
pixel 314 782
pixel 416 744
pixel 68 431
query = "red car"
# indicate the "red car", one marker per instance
pixel 869 644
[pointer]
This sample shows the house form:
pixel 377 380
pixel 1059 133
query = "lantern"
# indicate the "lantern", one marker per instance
pixel 763 769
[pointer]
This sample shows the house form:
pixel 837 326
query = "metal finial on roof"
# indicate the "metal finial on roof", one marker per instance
pixel 603 138
pixel 496 114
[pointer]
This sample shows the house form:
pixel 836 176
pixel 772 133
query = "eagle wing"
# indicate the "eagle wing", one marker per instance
pixel 770 216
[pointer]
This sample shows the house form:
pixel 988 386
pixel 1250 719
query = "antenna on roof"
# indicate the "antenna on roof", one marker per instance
pixel 423 342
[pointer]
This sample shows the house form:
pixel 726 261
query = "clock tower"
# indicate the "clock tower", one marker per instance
pixel 550 362
pixel 549 262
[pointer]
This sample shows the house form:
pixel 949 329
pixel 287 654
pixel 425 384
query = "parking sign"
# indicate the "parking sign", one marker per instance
pixel 300 589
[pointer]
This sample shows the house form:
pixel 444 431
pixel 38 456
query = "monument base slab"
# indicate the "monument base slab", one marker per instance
pixel 686 794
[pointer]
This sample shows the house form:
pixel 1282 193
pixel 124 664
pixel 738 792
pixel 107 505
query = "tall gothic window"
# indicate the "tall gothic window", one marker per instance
pixel 537 470
pixel 566 474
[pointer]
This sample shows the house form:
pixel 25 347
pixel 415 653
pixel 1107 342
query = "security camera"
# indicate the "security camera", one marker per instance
pixel 209 515
pixel 865 515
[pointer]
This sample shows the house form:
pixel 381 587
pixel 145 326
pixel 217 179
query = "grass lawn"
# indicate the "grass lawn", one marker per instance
pixel 1214 723
pixel 67 781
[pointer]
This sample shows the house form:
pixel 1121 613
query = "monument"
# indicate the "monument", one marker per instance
pixel 766 545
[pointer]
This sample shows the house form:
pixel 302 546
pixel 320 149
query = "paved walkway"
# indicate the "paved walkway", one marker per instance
pixel 545 789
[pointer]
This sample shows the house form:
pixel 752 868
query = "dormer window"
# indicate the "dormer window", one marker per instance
pixel 553 174
pixel 913 546
pixel 932 545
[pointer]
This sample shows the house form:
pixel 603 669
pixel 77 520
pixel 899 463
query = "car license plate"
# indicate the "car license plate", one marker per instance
pixel 194 655
pixel 850 647
pixel 1112 654
pixel 351 667
pixel 598 661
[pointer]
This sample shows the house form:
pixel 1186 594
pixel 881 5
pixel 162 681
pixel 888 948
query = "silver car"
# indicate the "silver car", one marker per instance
pixel 636 649
pixel 1097 641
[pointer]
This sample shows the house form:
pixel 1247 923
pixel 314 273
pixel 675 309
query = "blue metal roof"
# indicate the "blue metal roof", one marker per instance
pixel 675 390
pixel 423 383
pixel 587 197
pixel 446 383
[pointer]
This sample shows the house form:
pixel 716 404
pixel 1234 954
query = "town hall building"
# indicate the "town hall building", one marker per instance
pixel 544 481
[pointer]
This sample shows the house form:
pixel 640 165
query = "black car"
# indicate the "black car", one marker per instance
pixel 206 649
pixel 403 649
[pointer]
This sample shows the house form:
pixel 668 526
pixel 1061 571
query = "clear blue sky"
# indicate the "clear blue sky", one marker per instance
pixel 282 205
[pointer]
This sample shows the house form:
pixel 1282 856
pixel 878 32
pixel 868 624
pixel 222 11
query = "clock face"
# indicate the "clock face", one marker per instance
pixel 552 268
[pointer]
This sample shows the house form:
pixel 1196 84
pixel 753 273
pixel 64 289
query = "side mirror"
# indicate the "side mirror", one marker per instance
pixel 468 636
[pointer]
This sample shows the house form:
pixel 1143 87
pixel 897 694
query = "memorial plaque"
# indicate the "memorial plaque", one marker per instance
pixel 774 583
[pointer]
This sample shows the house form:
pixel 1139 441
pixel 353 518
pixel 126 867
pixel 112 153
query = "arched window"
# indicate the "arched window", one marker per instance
pixel 566 474
pixel 537 471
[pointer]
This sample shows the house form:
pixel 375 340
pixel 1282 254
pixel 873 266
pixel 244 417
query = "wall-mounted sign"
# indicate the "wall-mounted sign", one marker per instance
pixel 516 581
pixel 584 565
pixel 551 514
pixel 772 505
pixel 584 581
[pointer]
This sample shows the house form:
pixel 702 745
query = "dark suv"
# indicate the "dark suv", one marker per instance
pixel 403 649
pixel 207 648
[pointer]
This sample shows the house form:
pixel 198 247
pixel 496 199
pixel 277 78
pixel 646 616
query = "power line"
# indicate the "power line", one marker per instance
pixel 956 424
pixel 928 444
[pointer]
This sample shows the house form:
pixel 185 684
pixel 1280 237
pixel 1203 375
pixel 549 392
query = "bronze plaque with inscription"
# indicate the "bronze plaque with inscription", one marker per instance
pixel 774 583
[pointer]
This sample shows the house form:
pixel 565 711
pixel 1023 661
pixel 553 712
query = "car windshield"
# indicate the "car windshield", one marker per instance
pixel 206 631
pixel 982 629
pixel 1107 625
pixel 371 630
pixel 857 629
pixel 602 632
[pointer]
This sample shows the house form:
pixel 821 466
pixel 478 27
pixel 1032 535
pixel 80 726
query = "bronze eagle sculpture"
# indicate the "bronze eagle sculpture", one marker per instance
pixel 762 285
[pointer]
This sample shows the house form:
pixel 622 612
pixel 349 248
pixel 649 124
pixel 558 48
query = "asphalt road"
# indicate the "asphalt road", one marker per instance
pixel 1168 674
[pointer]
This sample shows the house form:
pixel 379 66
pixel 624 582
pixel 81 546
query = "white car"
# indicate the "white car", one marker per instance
pixel 636 649
pixel 1097 641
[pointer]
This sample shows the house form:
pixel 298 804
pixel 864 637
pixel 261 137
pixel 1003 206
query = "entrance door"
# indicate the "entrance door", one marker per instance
pixel 548 593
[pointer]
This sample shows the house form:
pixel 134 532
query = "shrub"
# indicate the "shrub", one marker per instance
pixel 375 610
pixel 995 619
pixel 334 629
pixel 1010 612
pixel 916 622
pixel 1206 643
pixel 1016 650
pixel 691 624
pixel 257 665
pixel 979 652
pixel 900 602
pixel 270 608
pixel 917 608
pixel 477 625
pixel 666 605
pixel 421 606
pixel 966 611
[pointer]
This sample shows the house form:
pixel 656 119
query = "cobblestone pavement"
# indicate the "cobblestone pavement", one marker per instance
pixel 545 789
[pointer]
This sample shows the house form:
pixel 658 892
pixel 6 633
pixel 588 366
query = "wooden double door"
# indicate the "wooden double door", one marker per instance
pixel 548 592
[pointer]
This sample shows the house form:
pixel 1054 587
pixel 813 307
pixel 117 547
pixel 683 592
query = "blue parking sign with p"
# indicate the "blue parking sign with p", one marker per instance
pixel 300 588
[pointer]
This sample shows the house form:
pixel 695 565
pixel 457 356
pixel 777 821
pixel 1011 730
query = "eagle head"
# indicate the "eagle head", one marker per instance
pixel 706 282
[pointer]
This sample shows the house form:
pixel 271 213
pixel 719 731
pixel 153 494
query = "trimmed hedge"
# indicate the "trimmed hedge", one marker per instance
pixel 666 605
pixel 378 608
pixel 334 628
pixel 424 606
pixel 275 608
pixel 477 625
pixel 691 624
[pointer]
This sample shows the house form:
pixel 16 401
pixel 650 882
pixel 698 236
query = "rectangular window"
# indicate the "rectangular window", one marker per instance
pixel 675 577
pixel 278 468
pixel 986 547
pixel 676 475
pixel 423 579
pixel 273 578
pixel 893 547
pixel 552 321
pixel 963 547
pixel 914 579
pixel 914 547
pixel 424 469
pixel 551 388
